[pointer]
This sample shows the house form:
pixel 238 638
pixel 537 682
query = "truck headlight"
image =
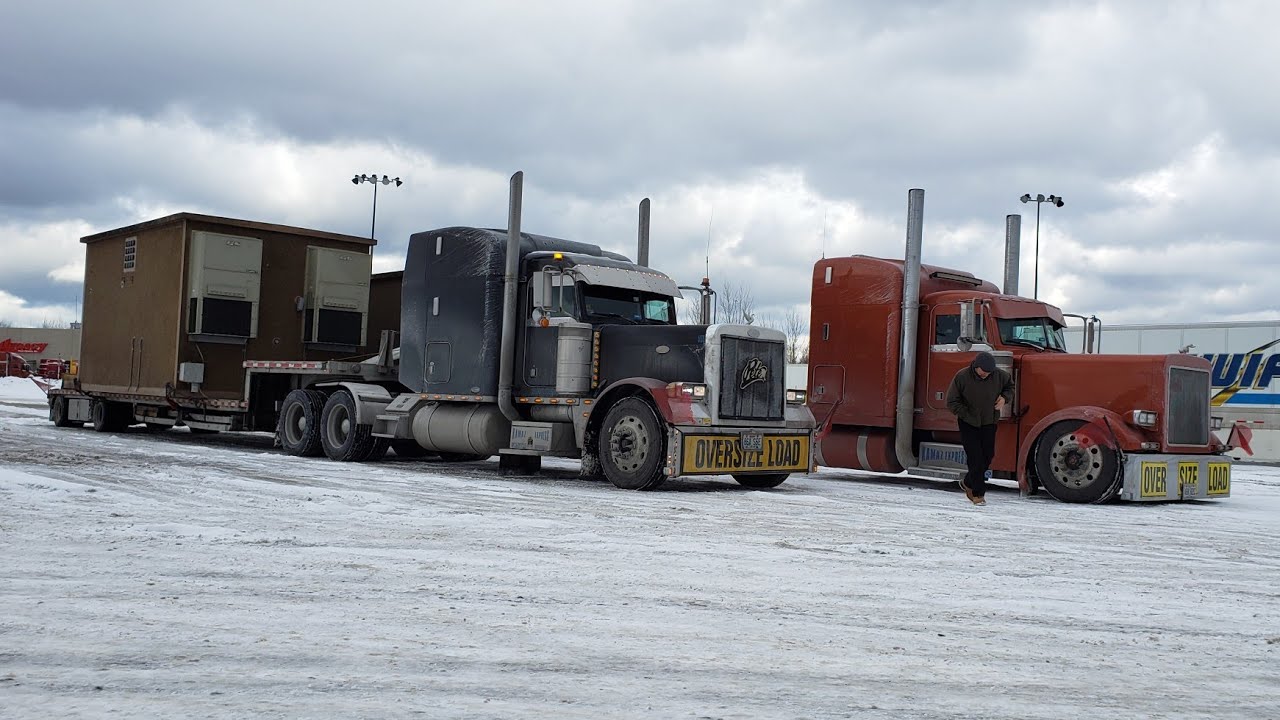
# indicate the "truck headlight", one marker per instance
pixel 1145 418
pixel 696 392
pixel 797 397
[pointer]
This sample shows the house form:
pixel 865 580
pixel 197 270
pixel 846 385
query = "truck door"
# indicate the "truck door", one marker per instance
pixel 826 390
pixel 541 334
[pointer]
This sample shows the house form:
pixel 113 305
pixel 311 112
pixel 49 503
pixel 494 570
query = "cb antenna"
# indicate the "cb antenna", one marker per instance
pixel 710 220
pixel 824 233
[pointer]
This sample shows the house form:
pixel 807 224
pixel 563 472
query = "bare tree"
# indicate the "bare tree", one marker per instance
pixel 796 327
pixel 736 304
pixel 5 323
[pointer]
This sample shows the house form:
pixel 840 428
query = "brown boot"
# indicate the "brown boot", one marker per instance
pixel 969 493
pixel 978 500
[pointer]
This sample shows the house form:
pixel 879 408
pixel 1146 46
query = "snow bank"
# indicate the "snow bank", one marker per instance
pixel 12 388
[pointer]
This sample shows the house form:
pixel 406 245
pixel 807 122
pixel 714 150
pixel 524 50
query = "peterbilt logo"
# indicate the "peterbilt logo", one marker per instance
pixel 753 372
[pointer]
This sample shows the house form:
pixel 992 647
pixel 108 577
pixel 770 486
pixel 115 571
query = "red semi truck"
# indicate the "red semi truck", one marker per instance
pixel 887 337
pixel 13 365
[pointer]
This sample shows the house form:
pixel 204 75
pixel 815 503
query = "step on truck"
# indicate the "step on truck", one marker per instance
pixel 888 336
pixel 524 345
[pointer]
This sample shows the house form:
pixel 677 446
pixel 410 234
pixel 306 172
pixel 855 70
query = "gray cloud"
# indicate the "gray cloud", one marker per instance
pixel 762 118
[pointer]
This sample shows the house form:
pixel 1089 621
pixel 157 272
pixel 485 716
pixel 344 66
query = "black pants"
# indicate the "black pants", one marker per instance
pixel 980 448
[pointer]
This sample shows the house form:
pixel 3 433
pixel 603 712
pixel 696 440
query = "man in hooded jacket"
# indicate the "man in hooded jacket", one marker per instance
pixel 976 397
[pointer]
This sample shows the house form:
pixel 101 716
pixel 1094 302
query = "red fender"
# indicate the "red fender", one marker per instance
pixel 1102 426
pixel 674 411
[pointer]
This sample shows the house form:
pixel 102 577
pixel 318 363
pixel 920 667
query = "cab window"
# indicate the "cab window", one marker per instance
pixel 564 297
pixel 947 329
pixel 1042 333
pixel 636 307
pixel 658 310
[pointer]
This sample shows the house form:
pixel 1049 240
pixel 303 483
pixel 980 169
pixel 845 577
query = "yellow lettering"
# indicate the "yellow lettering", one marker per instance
pixel 1219 478
pixel 1154 483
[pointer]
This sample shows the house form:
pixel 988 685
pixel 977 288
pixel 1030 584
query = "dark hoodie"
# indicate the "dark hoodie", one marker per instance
pixel 973 399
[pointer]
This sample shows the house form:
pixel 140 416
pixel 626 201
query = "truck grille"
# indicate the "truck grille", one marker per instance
pixel 752 374
pixel 1188 419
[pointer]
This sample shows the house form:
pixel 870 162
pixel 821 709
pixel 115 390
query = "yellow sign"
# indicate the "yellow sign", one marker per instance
pixel 1188 479
pixel 1155 480
pixel 716 454
pixel 1219 478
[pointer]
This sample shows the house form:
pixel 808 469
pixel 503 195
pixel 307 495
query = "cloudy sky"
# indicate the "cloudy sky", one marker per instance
pixel 765 133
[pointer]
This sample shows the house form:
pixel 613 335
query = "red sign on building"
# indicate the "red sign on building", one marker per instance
pixel 35 348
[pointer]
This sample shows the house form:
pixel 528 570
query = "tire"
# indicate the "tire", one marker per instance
pixel 762 481
pixel 58 414
pixel 340 437
pixel 452 457
pixel 632 445
pixel 1072 469
pixel 299 427
pixel 106 416
pixel 409 449
pixel 380 447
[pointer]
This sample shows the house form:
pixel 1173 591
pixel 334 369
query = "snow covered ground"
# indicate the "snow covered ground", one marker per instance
pixel 212 576
pixel 22 389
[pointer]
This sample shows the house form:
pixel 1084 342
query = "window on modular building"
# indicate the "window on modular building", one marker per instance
pixel 130 253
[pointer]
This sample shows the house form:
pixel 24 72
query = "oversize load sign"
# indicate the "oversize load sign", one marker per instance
pixel 1155 479
pixel 714 454
pixel 9 345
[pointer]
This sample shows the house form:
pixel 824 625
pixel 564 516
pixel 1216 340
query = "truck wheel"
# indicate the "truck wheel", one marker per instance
pixel 379 450
pixel 58 414
pixel 765 480
pixel 632 445
pixel 299 428
pixel 341 437
pixel 409 449
pixel 106 416
pixel 1074 469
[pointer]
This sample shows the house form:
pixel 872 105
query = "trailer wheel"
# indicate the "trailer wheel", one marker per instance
pixel 58 414
pixel 632 442
pixel 341 437
pixel 408 449
pixel 764 480
pixel 106 416
pixel 299 427
pixel 1074 469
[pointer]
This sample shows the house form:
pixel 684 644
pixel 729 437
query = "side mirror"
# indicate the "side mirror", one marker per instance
pixel 543 294
pixel 968 326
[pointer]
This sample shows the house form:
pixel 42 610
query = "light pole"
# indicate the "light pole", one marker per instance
pixel 1055 200
pixel 375 180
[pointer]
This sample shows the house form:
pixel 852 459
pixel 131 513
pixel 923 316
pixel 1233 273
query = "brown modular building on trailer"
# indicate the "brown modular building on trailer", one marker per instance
pixel 384 306
pixel 173 306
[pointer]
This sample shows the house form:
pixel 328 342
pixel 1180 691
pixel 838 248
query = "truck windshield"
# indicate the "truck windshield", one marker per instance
pixel 633 306
pixel 1040 332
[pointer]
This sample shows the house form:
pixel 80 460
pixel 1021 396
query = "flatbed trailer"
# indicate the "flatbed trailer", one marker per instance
pixel 267 383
